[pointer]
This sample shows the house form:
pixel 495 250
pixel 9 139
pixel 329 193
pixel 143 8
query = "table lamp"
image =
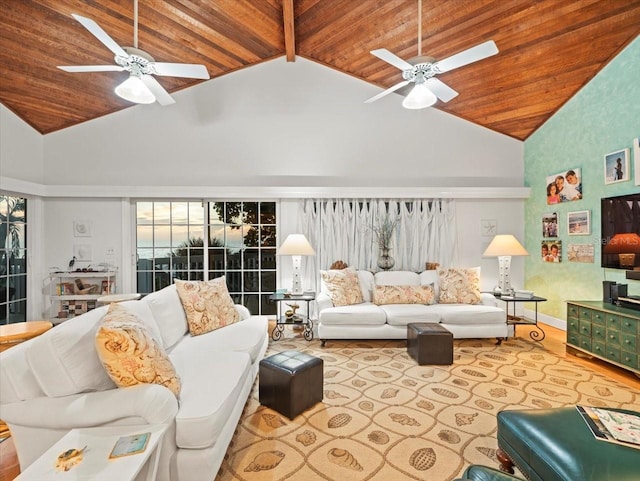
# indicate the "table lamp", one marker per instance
pixel 504 246
pixel 296 246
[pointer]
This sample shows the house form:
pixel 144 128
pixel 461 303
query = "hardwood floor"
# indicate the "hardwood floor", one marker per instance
pixel 554 342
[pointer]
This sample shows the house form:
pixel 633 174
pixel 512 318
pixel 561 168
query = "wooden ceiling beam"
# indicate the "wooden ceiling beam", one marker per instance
pixel 289 30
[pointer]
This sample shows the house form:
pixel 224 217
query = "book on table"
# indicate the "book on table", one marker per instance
pixel 612 426
pixel 128 445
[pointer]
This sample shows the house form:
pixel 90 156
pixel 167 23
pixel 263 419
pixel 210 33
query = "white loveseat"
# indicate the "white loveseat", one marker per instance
pixel 56 382
pixel 367 320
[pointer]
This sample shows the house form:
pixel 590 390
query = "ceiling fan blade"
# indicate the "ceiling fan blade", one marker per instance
pixel 101 35
pixel 441 89
pixel 393 59
pixel 388 91
pixel 91 68
pixel 162 96
pixel 190 70
pixel 484 50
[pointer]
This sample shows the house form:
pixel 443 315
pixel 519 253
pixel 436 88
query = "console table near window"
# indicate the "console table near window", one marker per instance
pixel 513 319
pixel 297 320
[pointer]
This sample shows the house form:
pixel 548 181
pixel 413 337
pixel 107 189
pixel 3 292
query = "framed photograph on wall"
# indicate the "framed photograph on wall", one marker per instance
pixel 550 225
pixel 82 228
pixel 551 251
pixel 579 223
pixel 636 159
pixel 564 186
pixel 581 253
pixel 616 167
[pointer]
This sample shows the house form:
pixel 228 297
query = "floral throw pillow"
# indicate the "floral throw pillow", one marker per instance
pixel 459 286
pixel 403 295
pixel 130 354
pixel 207 304
pixel 343 286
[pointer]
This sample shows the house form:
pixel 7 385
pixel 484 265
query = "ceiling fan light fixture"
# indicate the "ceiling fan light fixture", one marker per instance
pixel 134 90
pixel 420 97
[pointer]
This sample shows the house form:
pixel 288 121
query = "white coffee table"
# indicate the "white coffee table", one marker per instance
pixel 96 465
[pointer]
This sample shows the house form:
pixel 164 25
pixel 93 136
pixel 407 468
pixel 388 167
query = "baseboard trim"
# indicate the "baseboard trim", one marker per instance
pixel 544 318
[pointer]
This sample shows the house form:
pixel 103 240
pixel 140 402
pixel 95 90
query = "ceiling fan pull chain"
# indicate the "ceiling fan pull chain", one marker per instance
pixel 419 27
pixel 135 23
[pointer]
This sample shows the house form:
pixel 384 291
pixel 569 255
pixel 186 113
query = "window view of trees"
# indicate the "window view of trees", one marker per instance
pixel 241 245
pixel 13 257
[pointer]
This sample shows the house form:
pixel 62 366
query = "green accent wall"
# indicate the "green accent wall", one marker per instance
pixel 603 117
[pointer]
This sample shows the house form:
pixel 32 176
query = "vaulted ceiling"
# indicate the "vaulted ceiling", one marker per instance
pixel 549 49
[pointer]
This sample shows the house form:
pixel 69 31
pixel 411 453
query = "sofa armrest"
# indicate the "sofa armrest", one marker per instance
pixel 323 301
pixel 243 311
pixel 488 299
pixel 483 473
pixel 141 404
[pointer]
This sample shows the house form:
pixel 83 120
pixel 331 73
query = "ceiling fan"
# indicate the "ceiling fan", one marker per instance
pixel 422 71
pixel 141 87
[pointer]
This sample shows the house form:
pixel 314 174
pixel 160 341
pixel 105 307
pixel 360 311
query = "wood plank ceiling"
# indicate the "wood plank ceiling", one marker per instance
pixel 548 49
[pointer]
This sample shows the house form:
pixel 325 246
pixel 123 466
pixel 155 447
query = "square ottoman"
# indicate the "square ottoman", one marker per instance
pixel 290 382
pixel 429 343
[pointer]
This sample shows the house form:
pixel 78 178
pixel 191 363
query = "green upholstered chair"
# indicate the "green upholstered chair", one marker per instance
pixel 557 445
pixel 483 473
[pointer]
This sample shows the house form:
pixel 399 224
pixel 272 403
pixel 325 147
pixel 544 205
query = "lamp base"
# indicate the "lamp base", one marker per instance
pixel 504 275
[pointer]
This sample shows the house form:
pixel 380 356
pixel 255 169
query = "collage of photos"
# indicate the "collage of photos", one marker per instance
pixel 564 187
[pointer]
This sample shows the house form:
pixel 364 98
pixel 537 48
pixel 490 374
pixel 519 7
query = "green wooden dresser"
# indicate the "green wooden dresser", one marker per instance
pixel 605 331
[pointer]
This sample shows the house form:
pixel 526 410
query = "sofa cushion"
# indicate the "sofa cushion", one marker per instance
pixel 248 336
pixel 465 314
pixel 367 284
pixel 168 313
pixel 211 386
pixel 403 314
pixel 343 286
pixel 397 278
pixel 64 359
pixel 459 286
pixel 361 314
pixel 403 295
pixel 17 382
pixel 144 314
pixel 207 304
pixel 431 278
pixel 130 354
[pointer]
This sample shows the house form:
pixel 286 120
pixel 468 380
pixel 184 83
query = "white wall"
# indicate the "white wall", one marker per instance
pixel 105 216
pixel 281 123
pixel 21 153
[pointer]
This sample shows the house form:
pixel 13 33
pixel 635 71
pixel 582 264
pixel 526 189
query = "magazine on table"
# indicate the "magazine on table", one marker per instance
pixel 612 426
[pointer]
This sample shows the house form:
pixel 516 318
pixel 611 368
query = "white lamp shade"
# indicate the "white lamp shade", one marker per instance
pixel 419 97
pixel 505 245
pixel 134 90
pixel 296 245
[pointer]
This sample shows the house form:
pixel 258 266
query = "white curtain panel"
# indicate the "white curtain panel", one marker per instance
pixel 341 229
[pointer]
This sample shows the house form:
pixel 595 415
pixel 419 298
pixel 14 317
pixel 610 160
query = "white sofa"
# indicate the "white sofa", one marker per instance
pixel 370 321
pixel 56 382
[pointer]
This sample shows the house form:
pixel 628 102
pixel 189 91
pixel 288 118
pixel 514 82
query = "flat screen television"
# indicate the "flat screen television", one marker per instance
pixel 620 231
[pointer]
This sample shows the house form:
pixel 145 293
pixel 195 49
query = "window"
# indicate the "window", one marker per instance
pixel 241 245
pixel 13 259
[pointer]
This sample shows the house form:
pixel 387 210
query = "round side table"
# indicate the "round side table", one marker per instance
pixel 12 334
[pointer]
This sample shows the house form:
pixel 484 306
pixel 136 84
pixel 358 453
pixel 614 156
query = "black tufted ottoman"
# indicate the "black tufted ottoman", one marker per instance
pixel 291 382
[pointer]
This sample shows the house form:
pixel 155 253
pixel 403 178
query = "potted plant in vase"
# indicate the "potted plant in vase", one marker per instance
pixel 384 235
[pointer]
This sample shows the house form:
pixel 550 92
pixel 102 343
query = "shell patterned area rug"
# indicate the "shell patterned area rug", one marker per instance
pixel 384 418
